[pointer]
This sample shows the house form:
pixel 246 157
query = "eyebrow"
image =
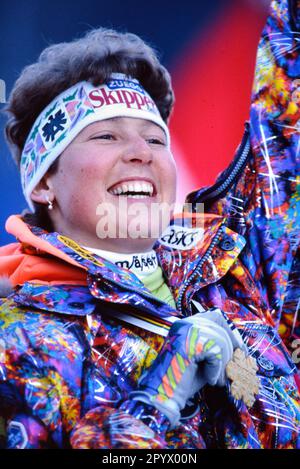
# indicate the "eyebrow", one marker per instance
pixel 145 124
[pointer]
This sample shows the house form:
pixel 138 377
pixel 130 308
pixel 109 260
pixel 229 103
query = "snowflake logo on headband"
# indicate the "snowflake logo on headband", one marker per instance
pixel 55 124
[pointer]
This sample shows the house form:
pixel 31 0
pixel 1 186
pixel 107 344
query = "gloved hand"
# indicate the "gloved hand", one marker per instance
pixel 219 318
pixel 196 352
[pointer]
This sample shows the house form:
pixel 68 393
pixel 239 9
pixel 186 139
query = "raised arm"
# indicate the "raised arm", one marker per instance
pixel 259 192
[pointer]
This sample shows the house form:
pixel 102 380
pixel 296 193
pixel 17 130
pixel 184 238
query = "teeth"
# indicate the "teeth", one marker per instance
pixel 138 187
pixel 134 186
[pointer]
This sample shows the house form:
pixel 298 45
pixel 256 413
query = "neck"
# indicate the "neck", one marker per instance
pixel 140 263
pixel 121 245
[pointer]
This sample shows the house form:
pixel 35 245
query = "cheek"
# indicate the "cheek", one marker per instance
pixel 80 188
pixel 169 181
pixel 85 167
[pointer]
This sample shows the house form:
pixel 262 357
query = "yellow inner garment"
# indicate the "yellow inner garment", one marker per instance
pixel 156 283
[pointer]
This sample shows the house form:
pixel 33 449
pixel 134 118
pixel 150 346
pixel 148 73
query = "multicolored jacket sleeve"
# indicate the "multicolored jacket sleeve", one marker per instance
pixel 53 396
pixel 275 143
pixel 259 192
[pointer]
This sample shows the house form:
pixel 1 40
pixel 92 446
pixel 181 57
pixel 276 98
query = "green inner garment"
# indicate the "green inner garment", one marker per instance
pixel 156 283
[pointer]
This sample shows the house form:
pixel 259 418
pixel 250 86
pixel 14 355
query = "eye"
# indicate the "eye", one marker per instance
pixel 106 136
pixel 156 141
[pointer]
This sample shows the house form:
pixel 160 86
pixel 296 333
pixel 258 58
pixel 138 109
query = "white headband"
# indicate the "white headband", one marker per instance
pixel 71 111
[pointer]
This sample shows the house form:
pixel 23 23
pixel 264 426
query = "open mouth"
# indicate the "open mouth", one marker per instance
pixel 133 189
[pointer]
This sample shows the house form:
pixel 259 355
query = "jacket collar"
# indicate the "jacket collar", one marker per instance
pixel 180 250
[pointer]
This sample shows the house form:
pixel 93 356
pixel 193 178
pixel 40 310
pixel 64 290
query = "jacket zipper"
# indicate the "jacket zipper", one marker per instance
pixel 227 183
pixel 237 167
pixel 245 145
pixel 198 269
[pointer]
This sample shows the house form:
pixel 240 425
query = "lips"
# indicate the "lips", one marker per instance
pixel 136 188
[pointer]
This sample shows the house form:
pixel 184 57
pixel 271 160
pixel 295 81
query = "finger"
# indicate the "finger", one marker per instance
pixel 217 316
pixel 220 337
pixel 211 330
pixel 212 369
pixel 211 335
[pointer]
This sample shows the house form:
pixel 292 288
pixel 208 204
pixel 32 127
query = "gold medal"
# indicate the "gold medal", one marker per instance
pixel 241 370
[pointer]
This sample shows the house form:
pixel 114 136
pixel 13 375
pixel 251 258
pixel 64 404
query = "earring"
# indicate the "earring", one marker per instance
pixel 50 204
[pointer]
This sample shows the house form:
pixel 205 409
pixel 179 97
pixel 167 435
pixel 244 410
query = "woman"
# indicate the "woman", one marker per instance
pixel 110 337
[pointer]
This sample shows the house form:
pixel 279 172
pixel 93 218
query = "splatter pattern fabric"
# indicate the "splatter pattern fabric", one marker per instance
pixel 68 364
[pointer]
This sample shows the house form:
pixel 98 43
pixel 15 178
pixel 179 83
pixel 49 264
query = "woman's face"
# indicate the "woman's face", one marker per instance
pixel 110 166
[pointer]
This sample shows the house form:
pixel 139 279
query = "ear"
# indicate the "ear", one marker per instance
pixel 43 191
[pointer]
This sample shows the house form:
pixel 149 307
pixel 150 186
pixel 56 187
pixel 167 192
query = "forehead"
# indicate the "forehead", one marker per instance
pixel 126 123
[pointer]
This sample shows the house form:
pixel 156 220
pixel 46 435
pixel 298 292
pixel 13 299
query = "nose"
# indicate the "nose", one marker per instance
pixel 137 151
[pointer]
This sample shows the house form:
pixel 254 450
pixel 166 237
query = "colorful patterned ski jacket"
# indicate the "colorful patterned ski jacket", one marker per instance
pixel 68 357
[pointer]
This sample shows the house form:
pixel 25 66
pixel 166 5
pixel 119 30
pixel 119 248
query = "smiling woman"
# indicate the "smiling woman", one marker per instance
pixel 118 158
pixel 125 324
